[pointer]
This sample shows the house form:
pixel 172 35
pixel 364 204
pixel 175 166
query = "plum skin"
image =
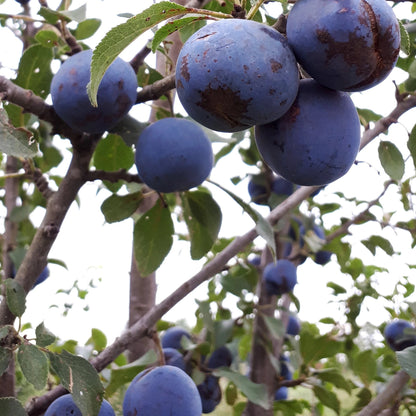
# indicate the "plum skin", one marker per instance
pixel 116 94
pixel 280 277
pixel 65 406
pixel 164 390
pixel 235 73
pixel 210 393
pixel 316 141
pixel 349 45
pixel 173 154
pixel 396 337
pixel 172 337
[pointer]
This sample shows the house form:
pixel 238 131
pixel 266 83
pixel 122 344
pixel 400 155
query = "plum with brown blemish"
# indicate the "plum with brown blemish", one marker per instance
pixel 349 45
pixel 316 141
pixel 233 74
pixel 116 94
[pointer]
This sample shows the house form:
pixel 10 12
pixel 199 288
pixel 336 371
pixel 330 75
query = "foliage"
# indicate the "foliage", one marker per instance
pixel 339 366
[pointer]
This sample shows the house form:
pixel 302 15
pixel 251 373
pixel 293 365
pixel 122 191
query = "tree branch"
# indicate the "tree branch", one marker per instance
pixel 119 175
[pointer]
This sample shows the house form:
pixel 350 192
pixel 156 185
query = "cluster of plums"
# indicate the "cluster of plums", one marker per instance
pixel 234 74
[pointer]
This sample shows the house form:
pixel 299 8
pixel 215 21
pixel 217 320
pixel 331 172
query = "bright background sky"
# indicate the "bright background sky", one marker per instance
pixel 100 252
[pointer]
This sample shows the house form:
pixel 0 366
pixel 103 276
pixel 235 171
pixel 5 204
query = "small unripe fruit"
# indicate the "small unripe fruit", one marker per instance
pixel 173 154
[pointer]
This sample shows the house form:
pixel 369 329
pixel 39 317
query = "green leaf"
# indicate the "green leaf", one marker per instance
pixel 263 227
pixel 16 297
pixel 152 238
pixel 43 336
pixel 171 27
pixel 98 339
pixel 122 375
pixel 5 356
pixel 367 115
pixel 275 326
pixel 47 38
pixel 113 154
pixel 404 39
pixel 314 348
pixel 334 377
pixel 411 144
pixel 231 393
pixel 256 393
pixel 81 379
pixel 34 71
pixel 129 129
pixel 365 366
pixel 203 217
pixel 391 159
pixel 378 241
pixel 327 398
pixel 118 38
pixel 11 406
pixel 87 28
pixel 119 207
pixel 407 360
pixel 34 365
pixel 16 142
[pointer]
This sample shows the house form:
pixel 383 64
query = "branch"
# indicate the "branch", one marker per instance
pixel 58 205
pixel 156 90
pixel 390 392
pixel 119 175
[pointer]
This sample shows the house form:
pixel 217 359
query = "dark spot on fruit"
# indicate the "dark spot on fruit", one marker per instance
pixel 184 68
pixel 354 51
pixel 272 33
pixel 206 36
pixel 123 103
pixel 283 102
pixel 120 84
pixel 272 91
pixel 225 104
pixel 245 67
pixel 293 112
pixel 179 84
pixel 275 66
pixel 61 87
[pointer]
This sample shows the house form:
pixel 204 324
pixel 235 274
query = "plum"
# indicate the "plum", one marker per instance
pixel 65 406
pixel 400 334
pixel 234 73
pixel 349 45
pixel 172 337
pixel 173 154
pixel 260 190
pixel 174 357
pixel 281 393
pixel 293 326
pixel 316 141
pixel 116 94
pixel 282 187
pixel 280 277
pixel 321 256
pixel 210 393
pixel 285 371
pixel 220 357
pixel 164 390
pixel 44 274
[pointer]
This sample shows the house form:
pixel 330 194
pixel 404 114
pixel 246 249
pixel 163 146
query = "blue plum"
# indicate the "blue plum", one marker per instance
pixel 280 277
pixel 44 274
pixel 281 393
pixel 400 334
pixel 316 141
pixel 321 256
pixel 173 154
pixel 210 393
pixel 259 189
pixel 255 261
pixel 174 357
pixel 65 406
pixel 116 94
pixel 285 371
pixel 234 73
pixel 281 186
pixel 165 390
pixel 220 357
pixel 172 337
pixel 293 326
pixel 349 45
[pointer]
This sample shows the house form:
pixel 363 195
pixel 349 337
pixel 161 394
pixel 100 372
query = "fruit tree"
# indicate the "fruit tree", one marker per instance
pixel 191 119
